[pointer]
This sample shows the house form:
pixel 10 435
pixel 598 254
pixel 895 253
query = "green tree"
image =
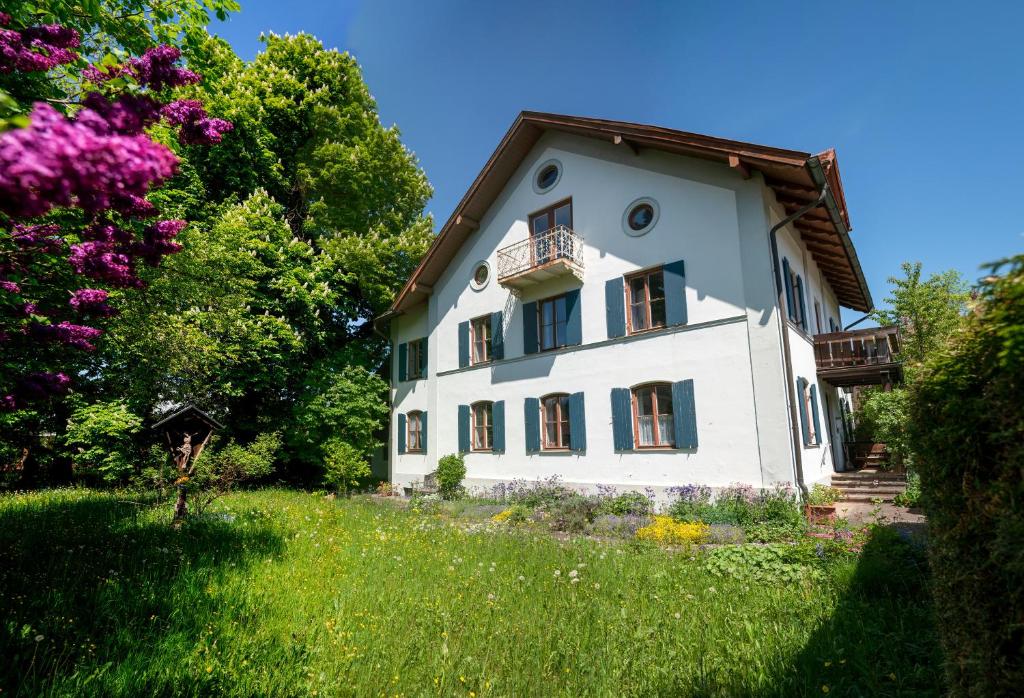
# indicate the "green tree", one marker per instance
pixel 967 429
pixel 102 436
pixel 927 311
pixel 310 220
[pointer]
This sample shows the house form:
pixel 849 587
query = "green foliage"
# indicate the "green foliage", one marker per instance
pixel 451 470
pixel 626 503
pixel 739 505
pixel 227 605
pixel 103 439
pixel 910 497
pixel 776 563
pixel 775 531
pixel 928 312
pixel 882 418
pixel 967 427
pixel 345 467
pixel 572 514
pixel 823 495
pixel 308 219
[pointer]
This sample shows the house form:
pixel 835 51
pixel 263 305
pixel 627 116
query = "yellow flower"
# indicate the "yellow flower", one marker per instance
pixel 892 676
pixel 667 531
pixel 825 689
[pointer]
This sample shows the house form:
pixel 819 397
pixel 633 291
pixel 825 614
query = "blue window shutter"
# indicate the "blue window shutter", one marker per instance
pixel 463 428
pixel 531 420
pixel 497 336
pixel 615 307
pixel 464 344
pixel 423 431
pixel 684 414
pixel 498 426
pixel 401 433
pixel 675 293
pixel 622 419
pixel 787 283
pixel 577 423
pixel 530 328
pixel 814 413
pixel 803 305
pixel 801 408
pixel 403 353
pixel 423 357
pixel 573 318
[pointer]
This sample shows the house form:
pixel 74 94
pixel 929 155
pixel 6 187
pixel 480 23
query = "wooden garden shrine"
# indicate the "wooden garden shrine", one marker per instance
pixel 185 433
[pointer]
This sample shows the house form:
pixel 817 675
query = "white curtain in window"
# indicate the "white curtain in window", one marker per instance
pixel 666 429
pixel 645 425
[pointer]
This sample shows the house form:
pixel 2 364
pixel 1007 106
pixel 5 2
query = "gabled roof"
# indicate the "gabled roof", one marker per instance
pixel 796 178
pixel 189 412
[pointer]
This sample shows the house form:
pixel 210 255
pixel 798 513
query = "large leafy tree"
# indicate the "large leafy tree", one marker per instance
pixel 314 218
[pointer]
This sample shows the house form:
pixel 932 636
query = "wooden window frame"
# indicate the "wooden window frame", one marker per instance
pixel 414 369
pixel 561 421
pixel 488 426
pixel 416 416
pixel 549 211
pixel 554 326
pixel 484 320
pixel 646 274
pixel 656 428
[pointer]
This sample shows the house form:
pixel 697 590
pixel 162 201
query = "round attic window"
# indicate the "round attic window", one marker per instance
pixel 547 176
pixel 640 217
pixel 481 275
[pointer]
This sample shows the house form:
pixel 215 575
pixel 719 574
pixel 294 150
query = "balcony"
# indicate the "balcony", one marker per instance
pixel 557 252
pixel 860 357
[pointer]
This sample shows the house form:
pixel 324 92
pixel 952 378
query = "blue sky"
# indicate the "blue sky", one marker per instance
pixel 922 100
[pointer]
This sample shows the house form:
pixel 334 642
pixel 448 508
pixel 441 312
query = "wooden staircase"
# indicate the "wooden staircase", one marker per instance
pixel 869 485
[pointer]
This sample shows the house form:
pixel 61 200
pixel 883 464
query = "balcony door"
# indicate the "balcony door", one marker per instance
pixel 547 244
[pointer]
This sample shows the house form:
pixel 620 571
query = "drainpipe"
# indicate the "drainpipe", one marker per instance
pixel 786 356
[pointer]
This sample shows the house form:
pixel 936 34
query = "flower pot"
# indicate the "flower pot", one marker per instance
pixel 820 513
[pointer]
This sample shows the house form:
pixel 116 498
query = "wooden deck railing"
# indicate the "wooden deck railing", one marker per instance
pixel 874 346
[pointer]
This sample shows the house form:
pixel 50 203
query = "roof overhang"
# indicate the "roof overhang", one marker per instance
pixel 795 177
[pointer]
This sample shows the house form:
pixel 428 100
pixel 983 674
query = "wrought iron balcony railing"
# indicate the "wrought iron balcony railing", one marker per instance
pixel 559 246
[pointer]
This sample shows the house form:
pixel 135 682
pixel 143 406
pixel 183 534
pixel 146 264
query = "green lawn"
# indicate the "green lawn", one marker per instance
pixel 286 593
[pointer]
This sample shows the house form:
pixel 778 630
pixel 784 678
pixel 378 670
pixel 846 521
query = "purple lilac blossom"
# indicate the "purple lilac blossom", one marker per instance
pixel 127 115
pixel 91 300
pixel 156 69
pixel 157 241
pixel 36 48
pixel 101 260
pixel 57 162
pixel 196 127
pixel 10 287
pixel 78 336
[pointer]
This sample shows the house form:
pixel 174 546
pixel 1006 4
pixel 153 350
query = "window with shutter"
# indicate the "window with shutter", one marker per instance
pixel 531 424
pixel 416 359
pixel 577 423
pixel 480 335
pixel 645 298
pixel 654 425
pixel 555 422
pixel 615 310
pixel 483 428
pixel 414 428
pixel 622 419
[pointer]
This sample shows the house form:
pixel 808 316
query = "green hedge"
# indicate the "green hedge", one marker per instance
pixel 967 430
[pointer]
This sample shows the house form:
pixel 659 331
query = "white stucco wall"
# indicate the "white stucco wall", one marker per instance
pixel 710 217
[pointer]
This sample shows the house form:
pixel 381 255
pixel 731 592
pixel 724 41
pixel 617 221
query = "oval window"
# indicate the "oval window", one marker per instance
pixel 640 217
pixel 547 176
pixel 481 274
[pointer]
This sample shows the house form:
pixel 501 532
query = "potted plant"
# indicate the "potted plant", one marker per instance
pixel 820 506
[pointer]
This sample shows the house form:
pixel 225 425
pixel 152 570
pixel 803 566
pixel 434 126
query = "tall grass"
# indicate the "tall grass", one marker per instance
pixel 282 593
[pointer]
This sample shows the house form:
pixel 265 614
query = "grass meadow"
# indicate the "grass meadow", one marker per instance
pixel 283 593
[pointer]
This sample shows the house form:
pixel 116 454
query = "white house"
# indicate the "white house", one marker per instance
pixel 604 305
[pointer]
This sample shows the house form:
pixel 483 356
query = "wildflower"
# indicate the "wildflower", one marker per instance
pixel 573 573
pixel 677 615
pixel 39 638
pixel 558 573
pixel 597 585
pixel 574 580
pixel 825 688
pixel 522 578
pixel 490 597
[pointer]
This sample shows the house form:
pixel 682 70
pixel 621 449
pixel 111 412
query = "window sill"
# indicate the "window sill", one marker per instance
pixel 647 330
pixel 655 448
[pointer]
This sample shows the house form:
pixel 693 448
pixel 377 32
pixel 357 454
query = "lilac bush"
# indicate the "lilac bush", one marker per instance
pixel 88 171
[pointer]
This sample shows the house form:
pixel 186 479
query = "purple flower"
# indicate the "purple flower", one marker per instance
pixel 91 300
pixel 36 48
pixel 101 260
pixel 77 336
pixel 196 127
pixel 156 69
pixel 10 287
pixel 38 386
pixel 157 241
pixel 41 238
pixel 128 115
pixel 57 162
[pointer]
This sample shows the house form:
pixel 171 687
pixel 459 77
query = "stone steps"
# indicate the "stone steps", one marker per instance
pixel 869 485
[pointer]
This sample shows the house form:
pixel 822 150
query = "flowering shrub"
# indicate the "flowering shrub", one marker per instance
pixel 823 495
pixel 627 503
pixel 667 531
pixel 89 171
pixel 514 514
pixel 738 504
pixel 619 526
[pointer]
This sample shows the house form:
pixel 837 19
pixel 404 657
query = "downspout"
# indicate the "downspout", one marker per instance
pixel 786 356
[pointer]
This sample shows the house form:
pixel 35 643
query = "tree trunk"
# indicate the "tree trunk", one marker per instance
pixel 180 506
